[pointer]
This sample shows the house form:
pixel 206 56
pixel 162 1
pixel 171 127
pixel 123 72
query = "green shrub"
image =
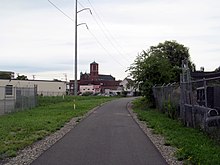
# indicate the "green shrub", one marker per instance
pixel 170 109
pixel 87 94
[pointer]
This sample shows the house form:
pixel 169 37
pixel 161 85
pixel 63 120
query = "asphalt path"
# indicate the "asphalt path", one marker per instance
pixel 109 136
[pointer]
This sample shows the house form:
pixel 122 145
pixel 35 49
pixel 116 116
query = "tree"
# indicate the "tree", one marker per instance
pixel 5 76
pixel 148 70
pixel 159 65
pixel 22 77
pixel 175 53
pixel 217 69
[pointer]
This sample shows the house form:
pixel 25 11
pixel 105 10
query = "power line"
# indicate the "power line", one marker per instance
pixel 104 48
pixel 61 11
pixel 105 33
pixel 90 33
pixel 80 4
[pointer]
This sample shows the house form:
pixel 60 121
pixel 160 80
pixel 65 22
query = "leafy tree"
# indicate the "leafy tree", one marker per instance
pixel 56 80
pixel 22 77
pixel 6 75
pixel 175 53
pixel 148 70
pixel 217 69
pixel 159 65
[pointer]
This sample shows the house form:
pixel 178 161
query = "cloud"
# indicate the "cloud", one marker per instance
pixel 36 37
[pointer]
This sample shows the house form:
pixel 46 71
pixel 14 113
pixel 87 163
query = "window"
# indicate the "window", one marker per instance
pixel 8 90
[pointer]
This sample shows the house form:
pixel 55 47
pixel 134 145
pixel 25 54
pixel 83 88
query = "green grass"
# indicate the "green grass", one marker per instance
pixel 20 129
pixel 194 147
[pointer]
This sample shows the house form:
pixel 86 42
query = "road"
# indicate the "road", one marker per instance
pixel 109 136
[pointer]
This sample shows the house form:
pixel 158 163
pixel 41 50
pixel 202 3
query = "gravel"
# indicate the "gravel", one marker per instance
pixel 159 141
pixel 30 153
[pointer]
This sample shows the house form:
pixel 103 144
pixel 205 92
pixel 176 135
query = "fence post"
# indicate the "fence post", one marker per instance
pixel 4 101
pixel 205 91
pixel 182 99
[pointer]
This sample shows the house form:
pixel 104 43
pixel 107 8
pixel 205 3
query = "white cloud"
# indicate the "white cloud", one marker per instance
pixel 35 38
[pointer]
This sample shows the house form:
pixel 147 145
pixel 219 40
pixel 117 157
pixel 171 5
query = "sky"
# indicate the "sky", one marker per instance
pixel 37 40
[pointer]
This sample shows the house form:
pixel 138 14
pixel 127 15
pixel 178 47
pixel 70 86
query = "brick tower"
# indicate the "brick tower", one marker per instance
pixel 94 71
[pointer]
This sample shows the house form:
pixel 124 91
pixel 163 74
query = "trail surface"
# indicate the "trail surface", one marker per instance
pixel 109 136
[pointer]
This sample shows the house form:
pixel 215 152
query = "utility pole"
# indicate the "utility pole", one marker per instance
pixel 76 25
pixel 75 83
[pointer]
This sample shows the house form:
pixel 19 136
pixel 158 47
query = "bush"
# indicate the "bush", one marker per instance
pixel 87 94
pixel 170 109
pixel 124 93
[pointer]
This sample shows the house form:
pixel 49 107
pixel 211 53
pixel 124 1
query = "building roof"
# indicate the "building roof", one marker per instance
pixel 94 62
pixel 201 75
pixel 106 77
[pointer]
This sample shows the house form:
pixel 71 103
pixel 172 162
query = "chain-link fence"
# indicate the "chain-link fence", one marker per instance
pixel 200 103
pixel 50 93
pixel 195 102
pixel 167 98
pixel 14 99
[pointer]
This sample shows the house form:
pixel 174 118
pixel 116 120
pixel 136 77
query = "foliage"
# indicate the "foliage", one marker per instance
pixel 87 94
pixel 158 65
pixel 124 93
pixel 175 52
pixel 20 129
pixel 22 77
pixel 170 109
pixel 194 147
pixel 141 103
pixel 56 80
pixel 217 69
pixel 5 75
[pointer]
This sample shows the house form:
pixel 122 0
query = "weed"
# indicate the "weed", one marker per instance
pixel 194 146
pixel 20 129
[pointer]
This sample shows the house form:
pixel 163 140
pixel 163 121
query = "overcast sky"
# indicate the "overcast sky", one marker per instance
pixel 37 39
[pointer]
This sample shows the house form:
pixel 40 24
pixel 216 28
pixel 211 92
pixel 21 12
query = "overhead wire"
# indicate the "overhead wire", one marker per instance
pixel 108 36
pixel 100 44
pixel 61 10
pixel 80 4
pixel 92 34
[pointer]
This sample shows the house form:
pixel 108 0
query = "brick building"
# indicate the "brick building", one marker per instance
pixel 95 82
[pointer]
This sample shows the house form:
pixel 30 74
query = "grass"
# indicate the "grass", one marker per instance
pixel 194 147
pixel 20 129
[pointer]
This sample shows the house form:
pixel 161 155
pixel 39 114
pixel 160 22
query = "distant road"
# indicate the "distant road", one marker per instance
pixel 109 136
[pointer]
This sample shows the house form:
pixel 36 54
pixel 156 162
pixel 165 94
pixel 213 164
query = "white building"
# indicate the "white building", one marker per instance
pixel 45 88
pixel 128 86
pixel 89 88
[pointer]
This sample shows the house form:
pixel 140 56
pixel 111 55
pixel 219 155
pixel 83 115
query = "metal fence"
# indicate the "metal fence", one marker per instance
pixel 195 102
pixel 167 97
pixel 14 99
pixel 200 103
pixel 50 93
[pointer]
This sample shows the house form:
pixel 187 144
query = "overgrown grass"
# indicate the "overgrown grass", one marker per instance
pixel 20 129
pixel 194 147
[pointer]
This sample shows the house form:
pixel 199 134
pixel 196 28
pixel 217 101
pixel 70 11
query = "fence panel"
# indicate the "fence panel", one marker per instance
pixel 14 99
pixel 166 94
pixel 198 102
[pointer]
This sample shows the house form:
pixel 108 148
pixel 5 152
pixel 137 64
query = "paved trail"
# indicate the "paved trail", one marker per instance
pixel 109 136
